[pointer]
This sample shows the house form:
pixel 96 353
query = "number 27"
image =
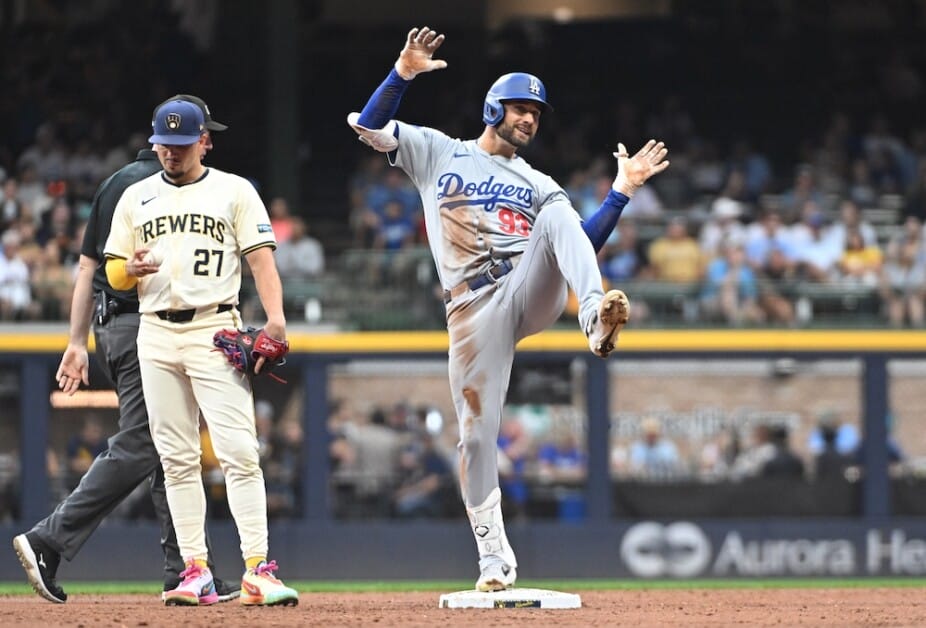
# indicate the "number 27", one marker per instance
pixel 203 257
pixel 514 222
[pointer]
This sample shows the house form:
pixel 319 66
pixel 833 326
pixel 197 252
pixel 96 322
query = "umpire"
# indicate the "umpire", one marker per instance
pixel 131 456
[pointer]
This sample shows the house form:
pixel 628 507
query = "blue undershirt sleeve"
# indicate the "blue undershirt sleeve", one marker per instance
pixel 600 224
pixel 384 102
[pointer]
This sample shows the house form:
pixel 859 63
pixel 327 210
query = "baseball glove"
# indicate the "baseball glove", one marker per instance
pixel 243 347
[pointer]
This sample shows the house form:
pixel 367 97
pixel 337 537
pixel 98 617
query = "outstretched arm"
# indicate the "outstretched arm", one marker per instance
pixel 74 367
pixel 632 172
pixel 416 57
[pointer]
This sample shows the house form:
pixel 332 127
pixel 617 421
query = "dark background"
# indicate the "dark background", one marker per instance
pixel 284 74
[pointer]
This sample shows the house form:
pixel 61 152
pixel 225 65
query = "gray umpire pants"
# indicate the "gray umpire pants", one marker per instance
pixel 129 459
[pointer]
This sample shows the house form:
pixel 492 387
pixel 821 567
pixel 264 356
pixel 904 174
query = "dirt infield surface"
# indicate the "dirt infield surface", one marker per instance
pixel 638 608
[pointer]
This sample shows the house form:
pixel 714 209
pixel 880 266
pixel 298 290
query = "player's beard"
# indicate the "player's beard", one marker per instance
pixel 510 134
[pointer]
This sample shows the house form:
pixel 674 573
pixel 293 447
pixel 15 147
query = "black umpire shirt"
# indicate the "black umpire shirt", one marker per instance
pixel 101 217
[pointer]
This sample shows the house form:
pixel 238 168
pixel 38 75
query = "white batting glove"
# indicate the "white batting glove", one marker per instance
pixel 632 172
pixel 415 57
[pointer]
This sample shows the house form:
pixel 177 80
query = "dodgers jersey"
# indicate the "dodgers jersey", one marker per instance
pixel 478 208
pixel 201 229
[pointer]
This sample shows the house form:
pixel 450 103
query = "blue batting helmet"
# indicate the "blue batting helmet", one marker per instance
pixel 514 86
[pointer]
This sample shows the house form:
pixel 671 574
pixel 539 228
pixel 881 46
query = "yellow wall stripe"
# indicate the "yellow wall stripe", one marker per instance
pixel 648 340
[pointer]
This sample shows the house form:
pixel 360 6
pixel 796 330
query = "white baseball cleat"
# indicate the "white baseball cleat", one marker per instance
pixel 613 314
pixel 497 576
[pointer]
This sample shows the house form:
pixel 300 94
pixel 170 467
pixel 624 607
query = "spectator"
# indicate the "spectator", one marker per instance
pixel 861 189
pixel 817 255
pixel 675 256
pixel 83 169
pixel 83 448
pixel 755 168
pixel 425 480
pixel 396 229
pixel 393 186
pixel 829 462
pixel 52 283
pixel 57 224
pixel 850 219
pixel 561 460
pixel 376 448
pixel 750 462
pixel 33 192
pixel 11 208
pixel 45 155
pixel 860 263
pixel 281 221
pixel 301 256
pixel 773 256
pixel 730 292
pixel 626 257
pixel 903 285
pixel 784 463
pixel 15 290
pixel 653 456
pixel 847 436
pixel 723 226
pixel 803 190
pixel 395 235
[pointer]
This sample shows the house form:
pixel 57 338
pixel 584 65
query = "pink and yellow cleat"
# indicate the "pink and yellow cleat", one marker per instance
pixel 259 587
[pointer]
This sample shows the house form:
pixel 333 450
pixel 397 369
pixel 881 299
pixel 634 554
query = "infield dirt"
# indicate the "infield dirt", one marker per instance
pixel 639 608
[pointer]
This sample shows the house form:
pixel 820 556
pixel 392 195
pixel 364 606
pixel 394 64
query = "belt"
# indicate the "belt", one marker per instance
pixel 107 307
pixel 185 316
pixel 492 275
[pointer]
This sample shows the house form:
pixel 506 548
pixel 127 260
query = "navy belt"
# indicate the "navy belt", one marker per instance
pixel 492 275
pixel 185 316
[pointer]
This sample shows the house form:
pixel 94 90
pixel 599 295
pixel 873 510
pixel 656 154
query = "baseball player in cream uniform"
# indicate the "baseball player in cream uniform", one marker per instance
pixel 180 234
pixel 507 242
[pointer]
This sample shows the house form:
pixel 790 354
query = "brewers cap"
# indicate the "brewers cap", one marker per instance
pixel 212 125
pixel 177 123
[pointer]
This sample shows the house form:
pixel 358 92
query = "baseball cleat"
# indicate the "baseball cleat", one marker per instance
pixel 196 589
pixel 41 565
pixel 496 577
pixel 613 314
pixel 259 587
pixel 227 591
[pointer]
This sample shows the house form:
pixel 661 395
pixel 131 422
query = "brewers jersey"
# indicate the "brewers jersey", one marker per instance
pixel 479 208
pixel 200 229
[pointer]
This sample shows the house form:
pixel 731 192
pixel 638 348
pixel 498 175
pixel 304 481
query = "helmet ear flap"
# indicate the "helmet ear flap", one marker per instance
pixel 493 112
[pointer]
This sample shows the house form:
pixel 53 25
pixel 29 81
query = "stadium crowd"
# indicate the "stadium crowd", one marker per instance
pixel 719 227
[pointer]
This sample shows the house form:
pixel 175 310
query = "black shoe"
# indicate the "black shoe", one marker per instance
pixel 227 591
pixel 41 564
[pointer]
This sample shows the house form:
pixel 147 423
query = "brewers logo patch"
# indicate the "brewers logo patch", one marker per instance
pixel 173 121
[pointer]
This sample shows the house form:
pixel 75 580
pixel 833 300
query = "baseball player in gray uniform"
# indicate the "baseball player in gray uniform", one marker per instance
pixel 507 243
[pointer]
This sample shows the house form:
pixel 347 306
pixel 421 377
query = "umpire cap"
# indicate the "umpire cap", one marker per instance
pixel 211 124
pixel 513 86
pixel 177 123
